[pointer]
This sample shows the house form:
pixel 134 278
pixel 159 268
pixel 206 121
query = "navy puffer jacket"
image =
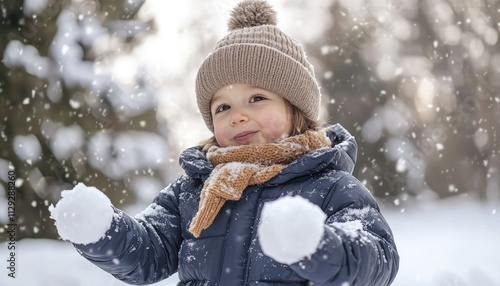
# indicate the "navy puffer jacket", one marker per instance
pixel 357 247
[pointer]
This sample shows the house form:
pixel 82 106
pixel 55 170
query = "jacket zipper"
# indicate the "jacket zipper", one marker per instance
pixel 224 244
pixel 245 280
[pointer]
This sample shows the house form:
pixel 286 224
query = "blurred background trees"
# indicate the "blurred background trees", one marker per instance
pixel 65 118
pixel 103 92
pixel 417 82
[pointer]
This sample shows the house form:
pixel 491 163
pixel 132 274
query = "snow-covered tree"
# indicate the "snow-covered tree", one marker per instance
pixel 66 117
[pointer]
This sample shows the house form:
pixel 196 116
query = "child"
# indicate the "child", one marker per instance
pixel 269 200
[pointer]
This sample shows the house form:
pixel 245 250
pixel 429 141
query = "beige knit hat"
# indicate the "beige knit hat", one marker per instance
pixel 257 53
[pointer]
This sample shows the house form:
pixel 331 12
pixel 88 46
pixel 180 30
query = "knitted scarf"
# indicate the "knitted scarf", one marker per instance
pixel 237 167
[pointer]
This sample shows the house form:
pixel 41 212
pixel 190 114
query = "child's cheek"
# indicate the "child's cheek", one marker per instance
pixel 218 133
pixel 278 129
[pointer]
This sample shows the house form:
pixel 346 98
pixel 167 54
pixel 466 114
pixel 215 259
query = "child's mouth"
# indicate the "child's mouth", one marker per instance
pixel 244 136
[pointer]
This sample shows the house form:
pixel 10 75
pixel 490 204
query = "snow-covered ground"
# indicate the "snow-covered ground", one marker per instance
pixel 450 243
pixel 453 243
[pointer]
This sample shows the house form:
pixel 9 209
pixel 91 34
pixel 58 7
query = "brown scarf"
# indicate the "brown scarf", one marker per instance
pixel 237 167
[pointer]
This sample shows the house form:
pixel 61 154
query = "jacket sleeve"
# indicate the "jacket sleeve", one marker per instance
pixel 143 249
pixel 357 247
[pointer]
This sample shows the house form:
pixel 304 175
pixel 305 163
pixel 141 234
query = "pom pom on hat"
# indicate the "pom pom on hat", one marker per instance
pixel 250 13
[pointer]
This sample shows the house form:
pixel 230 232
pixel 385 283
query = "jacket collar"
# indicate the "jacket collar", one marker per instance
pixel 341 156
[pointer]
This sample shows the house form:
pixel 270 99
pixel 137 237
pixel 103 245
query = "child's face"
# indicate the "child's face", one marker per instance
pixel 245 114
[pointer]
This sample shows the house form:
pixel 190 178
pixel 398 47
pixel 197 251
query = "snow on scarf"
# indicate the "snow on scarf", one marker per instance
pixel 237 167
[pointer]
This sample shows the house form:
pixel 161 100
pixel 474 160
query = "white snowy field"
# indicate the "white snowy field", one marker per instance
pixel 453 243
pixel 450 243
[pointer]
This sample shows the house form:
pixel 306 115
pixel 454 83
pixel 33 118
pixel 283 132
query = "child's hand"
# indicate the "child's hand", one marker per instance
pixel 83 215
pixel 290 229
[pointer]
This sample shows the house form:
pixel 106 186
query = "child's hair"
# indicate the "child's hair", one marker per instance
pixel 299 121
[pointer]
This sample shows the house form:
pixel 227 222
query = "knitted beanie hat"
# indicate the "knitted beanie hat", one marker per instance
pixel 257 53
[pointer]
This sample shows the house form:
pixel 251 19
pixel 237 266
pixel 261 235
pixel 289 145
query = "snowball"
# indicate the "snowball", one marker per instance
pixel 290 229
pixel 83 215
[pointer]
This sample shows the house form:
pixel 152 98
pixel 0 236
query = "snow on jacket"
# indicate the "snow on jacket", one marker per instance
pixel 357 246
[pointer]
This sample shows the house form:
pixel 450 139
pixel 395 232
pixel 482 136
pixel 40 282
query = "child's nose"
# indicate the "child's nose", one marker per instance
pixel 238 115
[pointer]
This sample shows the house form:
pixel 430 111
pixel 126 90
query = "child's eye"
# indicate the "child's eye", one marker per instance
pixel 221 108
pixel 256 98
